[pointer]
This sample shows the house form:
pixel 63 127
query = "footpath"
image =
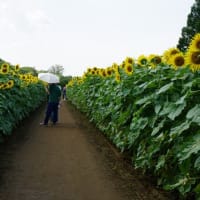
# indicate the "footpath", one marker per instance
pixel 69 161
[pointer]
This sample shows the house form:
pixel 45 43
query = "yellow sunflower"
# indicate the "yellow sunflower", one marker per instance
pixel 103 73
pixel 193 60
pixel 17 67
pixel 109 71
pixel 10 83
pixel 178 60
pixel 117 77
pixel 168 53
pixel 115 66
pixel 1 85
pixel 4 86
pixel 95 68
pixel 129 69
pixel 4 68
pixel 142 60
pixel 129 60
pixel 93 72
pixel 23 77
pixel 154 60
pixel 122 66
pixel 195 43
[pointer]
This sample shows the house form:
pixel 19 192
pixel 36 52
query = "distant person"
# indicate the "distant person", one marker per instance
pixel 54 95
pixel 64 93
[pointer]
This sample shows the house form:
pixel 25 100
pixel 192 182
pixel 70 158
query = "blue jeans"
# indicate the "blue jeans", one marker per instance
pixel 51 112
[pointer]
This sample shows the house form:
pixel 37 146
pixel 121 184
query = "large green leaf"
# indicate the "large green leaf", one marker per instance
pixel 143 100
pixel 194 114
pixel 172 110
pixel 177 130
pixel 161 162
pixel 197 163
pixel 176 110
pixel 191 146
pixel 165 88
pixel 158 128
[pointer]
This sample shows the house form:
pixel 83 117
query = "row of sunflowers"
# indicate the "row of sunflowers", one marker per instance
pixel 149 107
pixel 16 97
pixel 172 57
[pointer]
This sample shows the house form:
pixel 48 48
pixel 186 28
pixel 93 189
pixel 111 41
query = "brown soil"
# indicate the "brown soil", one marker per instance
pixel 69 161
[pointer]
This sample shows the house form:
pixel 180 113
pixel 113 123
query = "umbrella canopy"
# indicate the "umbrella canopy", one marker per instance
pixel 48 77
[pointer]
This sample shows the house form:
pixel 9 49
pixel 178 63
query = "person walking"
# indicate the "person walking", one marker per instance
pixel 54 96
pixel 64 93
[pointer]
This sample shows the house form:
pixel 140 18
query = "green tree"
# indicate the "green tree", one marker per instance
pixel 64 80
pixel 56 69
pixel 31 70
pixel 192 27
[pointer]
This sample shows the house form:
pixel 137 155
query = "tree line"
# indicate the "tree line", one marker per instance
pixel 192 27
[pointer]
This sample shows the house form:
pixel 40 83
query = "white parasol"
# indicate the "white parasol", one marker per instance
pixel 48 77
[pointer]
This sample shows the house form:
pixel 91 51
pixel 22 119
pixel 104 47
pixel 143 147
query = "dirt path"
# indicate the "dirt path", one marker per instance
pixel 69 161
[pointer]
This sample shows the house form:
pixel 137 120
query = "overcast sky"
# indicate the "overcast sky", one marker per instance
pixel 78 34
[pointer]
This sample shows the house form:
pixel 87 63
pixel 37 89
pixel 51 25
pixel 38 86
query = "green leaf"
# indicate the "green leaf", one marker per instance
pixel 197 163
pixel 157 108
pixel 194 114
pixel 161 162
pixel 180 182
pixel 158 128
pixel 181 100
pixel 185 166
pixel 197 189
pixel 125 92
pixel 176 131
pixel 143 100
pixel 172 110
pixel 177 109
pixel 191 146
pixel 165 88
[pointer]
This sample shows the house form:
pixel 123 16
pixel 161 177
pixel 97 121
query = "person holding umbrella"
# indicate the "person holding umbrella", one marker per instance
pixel 54 97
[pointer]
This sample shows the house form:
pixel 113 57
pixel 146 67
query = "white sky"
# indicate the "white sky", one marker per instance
pixel 78 34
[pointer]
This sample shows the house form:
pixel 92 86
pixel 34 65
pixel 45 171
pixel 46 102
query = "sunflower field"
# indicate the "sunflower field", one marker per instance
pixel 20 94
pixel 150 108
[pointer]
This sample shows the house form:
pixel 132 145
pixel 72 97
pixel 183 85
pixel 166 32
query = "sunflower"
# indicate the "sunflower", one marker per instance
pixel 193 60
pixel 10 83
pixel 4 68
pixel 129 60
pixel 178 60
pixel 170 52
pixel 93 72
pixel 129 69
pixel 103 73
pixel 98 72
pixel 115 66
pixel 4 86
pixel 154 60
pixel 17 67
pixel 142 60
pixel 95 68
pixel 109 71
pixel 4 71
pixel 1 85
pixel 195 43
pixel 23 77
pixel 117 77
